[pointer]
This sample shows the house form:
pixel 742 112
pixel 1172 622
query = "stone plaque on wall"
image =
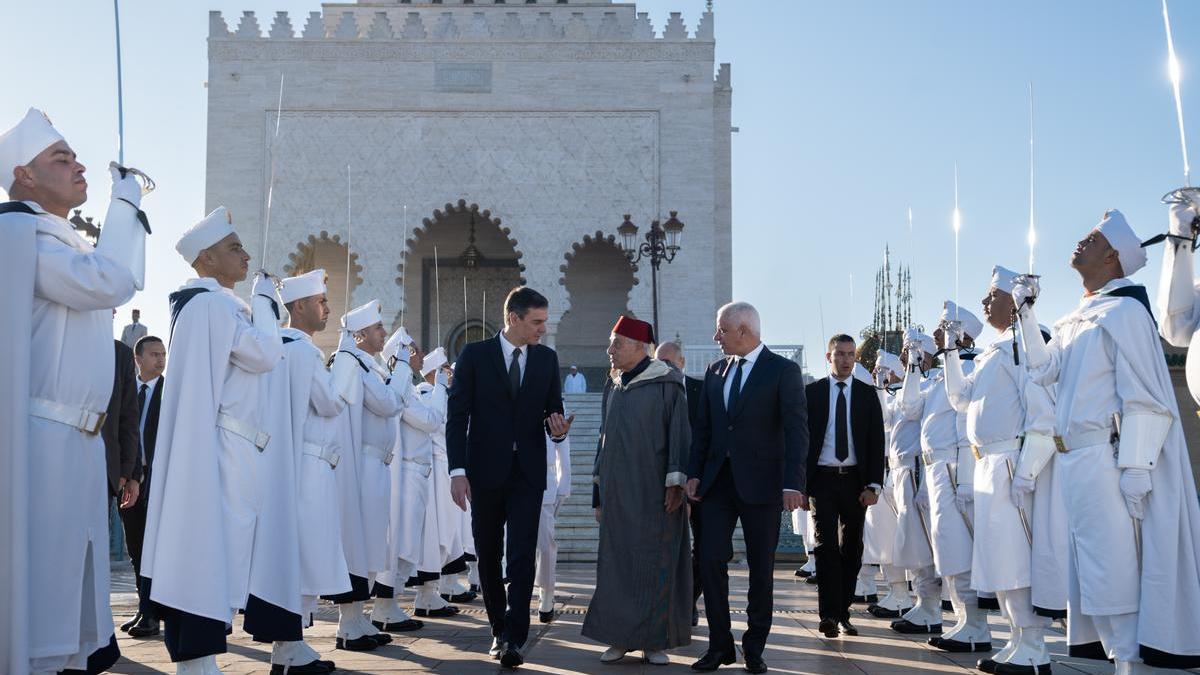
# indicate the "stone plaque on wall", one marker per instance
pixel 463 77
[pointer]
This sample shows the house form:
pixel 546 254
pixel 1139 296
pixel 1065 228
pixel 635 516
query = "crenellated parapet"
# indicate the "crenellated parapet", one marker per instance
pixel 425 22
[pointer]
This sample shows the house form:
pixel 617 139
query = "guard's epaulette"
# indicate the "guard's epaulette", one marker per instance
pixel 1137 292
pixel 178 300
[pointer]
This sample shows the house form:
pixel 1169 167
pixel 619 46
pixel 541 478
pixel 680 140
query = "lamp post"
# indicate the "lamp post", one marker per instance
pixel 660 245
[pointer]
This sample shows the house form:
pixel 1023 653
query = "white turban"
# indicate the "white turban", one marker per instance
pixel 1003 279
pixel 302 286
pixel 362 316
pixel 971 324
pixel 20 144
pixel 890 361
pixel 215 227
pixel 1121 237
pixel 861 373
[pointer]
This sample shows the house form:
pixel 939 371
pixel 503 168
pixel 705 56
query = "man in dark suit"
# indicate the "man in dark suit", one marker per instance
pixel 845 470
pixel 504 399
pixel 672 353
pixel 747 462
pixel 120 430
pixel 151 357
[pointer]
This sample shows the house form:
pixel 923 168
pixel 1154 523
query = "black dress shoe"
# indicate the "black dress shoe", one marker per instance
pixel 448 610
pixel 803 573
pixel 755 664
pixel 1014 669
pixel 986 665
pixel 865 599
pixel 883 612
pixel 381 639
pixel 467 596
pixel 496 649
pixel 511 657
pixel 848 628
pixel 811 579
pixel 314 668
pixel 713 660
pixel 909 628
pixel 476 589
pixel 361 644
pixel 934 641
pixel 961 647
pixel 828 628
pixel 546 617
pixel 399 626
pixel 146 627
pixel 131 623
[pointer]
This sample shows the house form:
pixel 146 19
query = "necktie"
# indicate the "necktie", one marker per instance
pixel 141 415
pixel 514 373
pixel 841 437
pixel 735 388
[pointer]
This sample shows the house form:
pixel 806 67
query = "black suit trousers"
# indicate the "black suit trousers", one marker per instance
pixel 839 518
pixel 720 510
pixel 516 504
pixel 133 519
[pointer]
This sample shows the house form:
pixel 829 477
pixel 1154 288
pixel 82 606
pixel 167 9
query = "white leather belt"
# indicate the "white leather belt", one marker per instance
pixel 327 454
pixel 424 467
pixel 931 456
pixel 83 420
pixel 384 456
pixel 244 429
pixel 996 448
pixel 1082 440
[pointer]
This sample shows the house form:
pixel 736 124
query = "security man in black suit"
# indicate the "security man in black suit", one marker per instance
pixel 120 430
pixel 845 470
pixel 747 462
pixel 504 399
pixel 151 357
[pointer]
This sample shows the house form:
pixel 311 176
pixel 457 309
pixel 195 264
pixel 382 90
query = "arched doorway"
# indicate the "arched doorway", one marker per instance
pixel 598 279
pixel 326 251
pixel 455 297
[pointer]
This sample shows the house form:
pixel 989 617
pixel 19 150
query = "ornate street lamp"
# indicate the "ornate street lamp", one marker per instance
pixel 660 245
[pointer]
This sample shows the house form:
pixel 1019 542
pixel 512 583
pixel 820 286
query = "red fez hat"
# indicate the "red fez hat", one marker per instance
pixel 634 329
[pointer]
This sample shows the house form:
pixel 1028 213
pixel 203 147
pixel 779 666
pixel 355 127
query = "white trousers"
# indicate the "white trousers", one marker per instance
pixel 546 559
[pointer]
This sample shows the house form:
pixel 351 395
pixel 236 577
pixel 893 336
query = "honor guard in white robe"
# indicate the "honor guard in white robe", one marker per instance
pixel 558 489
pixel 371 406
pixel 57 377
pixel 865 590
pixel 415 537
pixel 204 524
pixel 1010 426
pixel 1132 512
pixel 882 519
pixel 449 516
pixel 313 409
pixel 949 474
pixel 913 550
pixel 1178 292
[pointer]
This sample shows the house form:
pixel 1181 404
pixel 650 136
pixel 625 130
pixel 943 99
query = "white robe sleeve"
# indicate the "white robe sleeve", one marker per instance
pixel 323 397
pixel 911 399
pixel 959 386
pixel 1178 297
pixel 379 398
pixel 81 281
pixel 1135 397
pixel 563 450
pixel 254 351
pixel 426 414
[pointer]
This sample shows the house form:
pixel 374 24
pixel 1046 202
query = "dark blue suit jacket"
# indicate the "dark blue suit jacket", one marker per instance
pixel 765 435
pixel 485 422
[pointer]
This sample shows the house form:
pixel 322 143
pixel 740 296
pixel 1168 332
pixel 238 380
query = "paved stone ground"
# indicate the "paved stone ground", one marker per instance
pixel 459 644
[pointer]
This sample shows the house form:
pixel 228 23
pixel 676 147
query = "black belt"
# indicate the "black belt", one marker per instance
pixel 839 470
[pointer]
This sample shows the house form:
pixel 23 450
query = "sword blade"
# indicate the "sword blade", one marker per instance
pixel 1173 71
pixel 1020 509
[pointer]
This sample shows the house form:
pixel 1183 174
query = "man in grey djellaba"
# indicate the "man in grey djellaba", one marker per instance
pixel 643 598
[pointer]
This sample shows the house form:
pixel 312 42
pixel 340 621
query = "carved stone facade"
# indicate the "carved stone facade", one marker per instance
pixel 532 127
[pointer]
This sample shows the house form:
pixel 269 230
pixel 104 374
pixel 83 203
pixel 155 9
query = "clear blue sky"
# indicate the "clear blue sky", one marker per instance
pixel 850 112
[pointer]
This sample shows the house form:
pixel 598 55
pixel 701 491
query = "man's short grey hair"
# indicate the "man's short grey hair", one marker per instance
pixel 742 314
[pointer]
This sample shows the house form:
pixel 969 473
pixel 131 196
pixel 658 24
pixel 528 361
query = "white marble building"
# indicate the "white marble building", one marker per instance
pixel 510 136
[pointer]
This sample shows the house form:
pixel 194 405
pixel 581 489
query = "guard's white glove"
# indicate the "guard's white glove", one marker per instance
pixel 916 354
pixel 964 498
pixel 1025 288
pixel 1179 218
pixel 1022 489
pixel 953 332
pixel 264 285
pixel 1136 486
pixel 127 188
pixel 442 377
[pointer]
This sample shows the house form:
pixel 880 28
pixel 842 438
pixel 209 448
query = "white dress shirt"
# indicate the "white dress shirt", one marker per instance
pixel 828 456
pixel 150 387
pixel 746 368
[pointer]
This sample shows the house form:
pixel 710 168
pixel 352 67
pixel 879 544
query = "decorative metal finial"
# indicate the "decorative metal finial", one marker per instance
pixel 709 5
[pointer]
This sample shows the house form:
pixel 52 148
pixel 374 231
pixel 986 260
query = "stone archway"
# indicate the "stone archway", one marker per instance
pixel 476 259
pixel 598 278
pixel 326 251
